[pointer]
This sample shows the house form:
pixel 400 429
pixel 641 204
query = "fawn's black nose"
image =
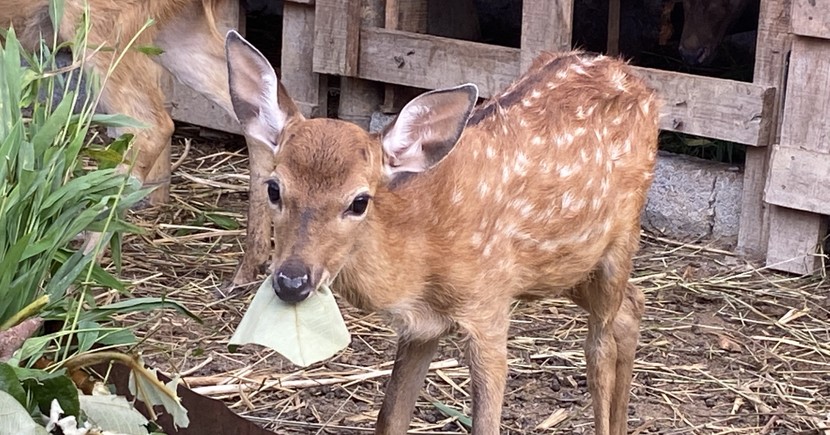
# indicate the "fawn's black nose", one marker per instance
pixel 292 282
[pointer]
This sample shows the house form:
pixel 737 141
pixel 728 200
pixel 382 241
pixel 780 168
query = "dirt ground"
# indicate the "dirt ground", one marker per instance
pixel 725 348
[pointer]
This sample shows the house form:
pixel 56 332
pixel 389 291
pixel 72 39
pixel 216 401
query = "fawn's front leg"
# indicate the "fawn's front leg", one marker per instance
pixel 411 365
pixel 487 353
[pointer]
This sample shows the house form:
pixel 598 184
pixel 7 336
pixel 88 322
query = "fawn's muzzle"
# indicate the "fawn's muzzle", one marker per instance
pixel 292 281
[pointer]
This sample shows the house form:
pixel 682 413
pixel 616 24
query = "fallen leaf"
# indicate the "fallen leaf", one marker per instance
pixel 728 344
pixel 554 419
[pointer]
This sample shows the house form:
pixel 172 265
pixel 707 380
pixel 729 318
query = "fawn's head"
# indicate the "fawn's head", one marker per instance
pixel 326 172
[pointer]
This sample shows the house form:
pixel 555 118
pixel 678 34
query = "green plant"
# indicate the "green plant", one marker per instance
pixel 48 196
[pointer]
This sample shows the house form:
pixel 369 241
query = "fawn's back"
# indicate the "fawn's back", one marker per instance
pixel 546 176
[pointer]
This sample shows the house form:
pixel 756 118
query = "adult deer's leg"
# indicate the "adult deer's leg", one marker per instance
pixel 411 365
pixel 487 354
pixel 133 89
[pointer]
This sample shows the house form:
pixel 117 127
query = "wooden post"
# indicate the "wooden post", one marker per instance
pixel 408 16
pixel 546 25
pixel 358 98
pixel 612 48
pixel 795 234
pixel 308 89
pixel 773 46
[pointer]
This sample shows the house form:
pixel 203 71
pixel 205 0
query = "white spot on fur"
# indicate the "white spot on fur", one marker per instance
pixel 549 245
pixel 550 85
pixel 526 102
pixel 579 131
pixel 577 68
pixel 567 200
pixel 618 79
pixel 545 167
pixel 491 152
pixel 523 123
pixel 475 154
pixel 505 174
pixel 567 170
pixel 521 164
pixel 537 140
pixel 561 74
pixel 457 196
pixel 483 189
pixel 476 239
pixel 584 154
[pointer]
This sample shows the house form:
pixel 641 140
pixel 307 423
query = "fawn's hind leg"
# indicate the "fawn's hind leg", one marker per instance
pixel 614 308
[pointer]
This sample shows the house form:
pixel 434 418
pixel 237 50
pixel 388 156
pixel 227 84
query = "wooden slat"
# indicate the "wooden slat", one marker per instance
pixel 794 239
pixel 613 45
pixel 804 129
pixel 305 87
pixel 336 33
pixel 432 62
pixel 772 48
pixel 811 18
pixel 546 25
pixel 715 108
pixel 799 179
pixel 807 112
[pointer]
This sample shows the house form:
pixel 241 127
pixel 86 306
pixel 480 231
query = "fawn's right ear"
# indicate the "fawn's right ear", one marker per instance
pixel 259 100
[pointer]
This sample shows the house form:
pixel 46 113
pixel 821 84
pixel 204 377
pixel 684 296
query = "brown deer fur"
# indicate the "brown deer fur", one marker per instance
pixel 541 196
pixel 705 23
pixel 193 52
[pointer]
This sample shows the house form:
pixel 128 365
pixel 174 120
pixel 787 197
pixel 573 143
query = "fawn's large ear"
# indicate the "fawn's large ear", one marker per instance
pixel 427 129
pixel 260 102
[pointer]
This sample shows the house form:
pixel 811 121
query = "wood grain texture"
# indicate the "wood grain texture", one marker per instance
pixel 799 179
pixel 795 236
pixel 806 121
pixel 715 108
pixel 297 70
pixel 546 25
pixel 432 62
pixel 811 18
pixel 336 30
pixel 773 45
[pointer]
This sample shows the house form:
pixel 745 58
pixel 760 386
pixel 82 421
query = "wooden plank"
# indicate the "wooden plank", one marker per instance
pixel 301 2
pixel 307 88
pixel 807 112
pixel 359 98
pixel 795 236
pixel 336 33
pixel 799 179
pixel 546 25
pixel 715 108
pixel 804 136
pixel 431 62
pixel 811 18
pixel 772 48
pixel 613 45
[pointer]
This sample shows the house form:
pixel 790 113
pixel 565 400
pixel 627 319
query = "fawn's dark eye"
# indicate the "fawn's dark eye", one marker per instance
pixel 359 204
pixel 273 192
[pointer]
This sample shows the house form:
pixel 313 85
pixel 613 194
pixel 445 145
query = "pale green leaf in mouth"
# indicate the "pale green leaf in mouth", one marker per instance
pixel 307 332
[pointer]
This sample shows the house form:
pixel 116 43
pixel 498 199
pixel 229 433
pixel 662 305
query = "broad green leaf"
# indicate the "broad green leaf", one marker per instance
pixel 88 333
pixel 10 383
pixel 113 414
pixel 305 333
pixel 15 420
pixel 58 387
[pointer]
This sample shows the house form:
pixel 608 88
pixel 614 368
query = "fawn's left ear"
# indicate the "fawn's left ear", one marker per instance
pixel 259 100
pixel 427 129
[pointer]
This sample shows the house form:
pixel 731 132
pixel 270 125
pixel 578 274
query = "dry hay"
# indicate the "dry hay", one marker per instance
pixel 725 347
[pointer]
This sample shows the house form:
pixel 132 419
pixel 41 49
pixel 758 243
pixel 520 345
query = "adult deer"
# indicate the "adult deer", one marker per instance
pixel 453 211
pixel 193 51
pixel 705 23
